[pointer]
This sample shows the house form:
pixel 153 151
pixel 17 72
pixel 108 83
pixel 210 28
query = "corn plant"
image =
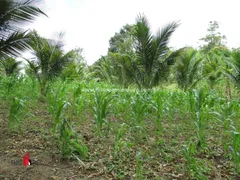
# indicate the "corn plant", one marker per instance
pixel 225 114
pixel 194 168
pixel 122 106
pixel 66 138
pixel 63 133
pixel 158 106
pixel 58 114
pixel 17 109
pixel 100 109
pixel 188 152
pixel 120 143
pixel 139 105
pixel 235 148
pixel 78 100
pixel 9 87
pixel 173 103
pixel 77 92
pixel 139 166
pixel 55 98
pixel 68 141
pixel 199 115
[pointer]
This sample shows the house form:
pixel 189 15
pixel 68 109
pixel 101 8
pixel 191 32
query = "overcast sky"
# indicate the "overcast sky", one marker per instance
pixel 89 24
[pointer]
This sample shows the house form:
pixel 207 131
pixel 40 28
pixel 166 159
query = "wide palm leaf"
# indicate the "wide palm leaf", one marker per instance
pixel 13 14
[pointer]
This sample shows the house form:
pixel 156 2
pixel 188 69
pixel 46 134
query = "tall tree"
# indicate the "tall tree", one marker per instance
pixel 188 68
pixel 213 38
pixel 104 69
pixel 146 60
pixel 76 69
pixel 122 42
pixel 13 14
pixel 211 70
pixel 151 51
pixel 49 59
pixel 216 54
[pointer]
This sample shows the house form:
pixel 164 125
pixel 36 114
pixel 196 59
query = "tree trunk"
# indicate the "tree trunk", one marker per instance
pixel 228 90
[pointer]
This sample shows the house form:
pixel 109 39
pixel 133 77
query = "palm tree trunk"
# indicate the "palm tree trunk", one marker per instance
pixel 228 90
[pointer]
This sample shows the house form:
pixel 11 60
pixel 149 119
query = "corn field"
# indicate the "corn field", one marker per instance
pixel 130 133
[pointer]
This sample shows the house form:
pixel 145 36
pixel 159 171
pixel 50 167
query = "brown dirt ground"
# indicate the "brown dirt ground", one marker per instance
pixel 46 163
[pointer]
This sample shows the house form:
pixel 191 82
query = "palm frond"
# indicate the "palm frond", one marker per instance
pixel 188 67
pixel 143 41
pixel 234 78
pixel 14 44
pixel 150 49
pixel 33 67
pixel 172 58
pixel 163 37
pixel 13 13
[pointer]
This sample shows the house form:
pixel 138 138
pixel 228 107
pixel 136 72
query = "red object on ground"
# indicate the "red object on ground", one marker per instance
pixel 26 159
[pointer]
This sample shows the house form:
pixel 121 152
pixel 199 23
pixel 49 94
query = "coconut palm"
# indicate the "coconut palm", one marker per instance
pixel 115 68
pixel 13 14
pixel 151 51
pixel 124 69
pixel 222 63
pixel 188 67
pixel 104 69
pixel 211 70
pixel 49 59
pixel 146 64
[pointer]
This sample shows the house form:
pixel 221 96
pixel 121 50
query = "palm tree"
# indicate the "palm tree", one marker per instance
pixel 115 68
pixel 234 72
pixel 151 51
pixel 104 70
pixel 219 63
pixel 211 70
pixel 77 68
pixel 10 65
pixel 147 61
pixel 13 14
pixel 49 59
pixel 187 68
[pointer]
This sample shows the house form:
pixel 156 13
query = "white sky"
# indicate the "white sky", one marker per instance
pixel 89 24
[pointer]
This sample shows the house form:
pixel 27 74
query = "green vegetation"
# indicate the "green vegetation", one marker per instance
pixel 143 111
pixel 183 131
pixel 14 14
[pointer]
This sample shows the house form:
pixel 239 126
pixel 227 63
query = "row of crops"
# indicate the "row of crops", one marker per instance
pixel 165 133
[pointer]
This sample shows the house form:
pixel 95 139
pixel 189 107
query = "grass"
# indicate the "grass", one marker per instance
pixel 123 134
